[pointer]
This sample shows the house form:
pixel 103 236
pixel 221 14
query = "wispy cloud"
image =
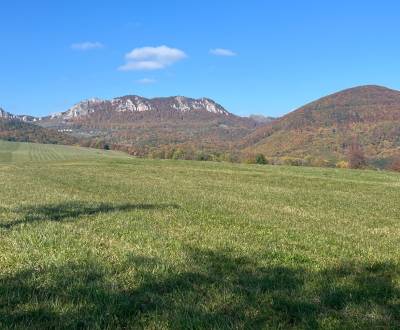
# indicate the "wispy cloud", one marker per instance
pixel 152 58
pixel 146 81
pixel 87 45
pixel 222 52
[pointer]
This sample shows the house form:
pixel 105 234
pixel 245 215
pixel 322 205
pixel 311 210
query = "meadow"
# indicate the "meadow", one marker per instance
pixel 96 239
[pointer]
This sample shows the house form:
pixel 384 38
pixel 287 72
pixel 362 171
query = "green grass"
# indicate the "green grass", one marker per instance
pixel 102 240
pixel 15 152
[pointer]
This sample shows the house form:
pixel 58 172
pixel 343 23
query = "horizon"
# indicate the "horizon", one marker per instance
pixel 273 62
pixel 188 97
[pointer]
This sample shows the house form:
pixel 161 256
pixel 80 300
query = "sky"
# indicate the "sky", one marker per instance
pixel 252 57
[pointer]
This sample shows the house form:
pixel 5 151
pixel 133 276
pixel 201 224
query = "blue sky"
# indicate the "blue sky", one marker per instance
pixel 254 56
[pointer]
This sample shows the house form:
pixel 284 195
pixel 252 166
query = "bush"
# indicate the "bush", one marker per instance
pixel 342 164
pixel 178 154
pixel 202 156
pixel 260 159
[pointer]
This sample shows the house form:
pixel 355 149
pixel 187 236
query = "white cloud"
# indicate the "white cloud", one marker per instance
pixel 146 81
pixel 142 65
pixel 222 52
pixel 152 58
pixel 87 45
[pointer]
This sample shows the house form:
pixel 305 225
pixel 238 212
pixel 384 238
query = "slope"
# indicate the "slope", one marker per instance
pixel 366 115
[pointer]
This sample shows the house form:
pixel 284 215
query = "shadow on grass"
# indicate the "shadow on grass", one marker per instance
pixel 71 211
pixel 219 291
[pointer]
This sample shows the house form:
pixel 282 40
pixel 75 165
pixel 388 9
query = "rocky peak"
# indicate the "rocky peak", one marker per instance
pixel 186 104
pixel 131 104
pixel 4 114
pixel 80 109
pixel 134 103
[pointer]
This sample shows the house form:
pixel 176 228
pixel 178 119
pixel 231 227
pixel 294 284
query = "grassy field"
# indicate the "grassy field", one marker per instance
pixel 14 152
pixel 92 239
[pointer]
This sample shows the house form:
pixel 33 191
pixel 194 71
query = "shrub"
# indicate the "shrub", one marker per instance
pixel 178 154
pixel 260 159
pixel 202 156
pixel 342 164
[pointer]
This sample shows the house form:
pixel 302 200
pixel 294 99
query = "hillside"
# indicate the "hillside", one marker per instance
pixel 319 133
pixel 152 123
pixel 13 128
pixel 366 115
pixel 125 243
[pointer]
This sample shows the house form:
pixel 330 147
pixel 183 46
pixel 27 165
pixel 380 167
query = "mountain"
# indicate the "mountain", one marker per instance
pixel 151 123
pixel 17 128
pixel 7 115
pixel 4 115
pixel 366 115
pixel 321 132
pixel 133 104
